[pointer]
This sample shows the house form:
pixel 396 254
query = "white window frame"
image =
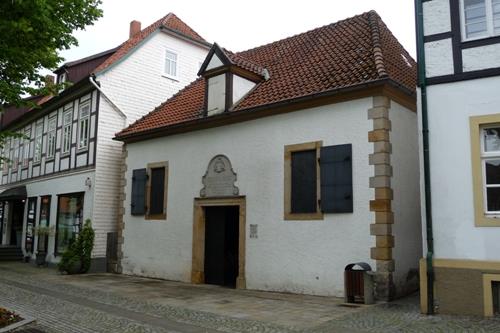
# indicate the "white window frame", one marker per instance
pixel 176 62
pixel 51 137
pixel 26 147
pixel 490 30
pixel 83 121
pixel 37 154
pixel 66 131
pixel 485 156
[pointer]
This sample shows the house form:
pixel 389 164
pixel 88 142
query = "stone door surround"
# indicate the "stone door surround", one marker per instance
pixel 198 262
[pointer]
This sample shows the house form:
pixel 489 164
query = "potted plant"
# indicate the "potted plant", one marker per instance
pixel 43 233
pixel 76 258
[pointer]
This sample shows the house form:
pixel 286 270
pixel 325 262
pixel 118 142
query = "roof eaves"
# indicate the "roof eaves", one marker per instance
pixel 136 136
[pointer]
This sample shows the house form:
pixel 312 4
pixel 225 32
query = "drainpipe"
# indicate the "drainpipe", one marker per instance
pixel 425 136
pixel 115 107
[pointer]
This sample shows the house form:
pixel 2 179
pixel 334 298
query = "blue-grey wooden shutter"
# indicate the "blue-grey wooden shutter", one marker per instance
pixel 336 179
pixel 138 201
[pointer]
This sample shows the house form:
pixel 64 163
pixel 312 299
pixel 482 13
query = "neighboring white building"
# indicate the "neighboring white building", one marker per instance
pixel 461 43
pixel 281 165
pixel 67 170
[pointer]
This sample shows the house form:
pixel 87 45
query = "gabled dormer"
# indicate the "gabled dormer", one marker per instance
pixel 228 78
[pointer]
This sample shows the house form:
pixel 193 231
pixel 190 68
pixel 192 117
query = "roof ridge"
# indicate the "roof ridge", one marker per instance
pixel 305 32
pixel 378 55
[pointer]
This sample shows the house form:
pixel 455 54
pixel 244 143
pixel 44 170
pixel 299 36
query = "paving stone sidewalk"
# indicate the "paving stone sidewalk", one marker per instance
pixel 118 303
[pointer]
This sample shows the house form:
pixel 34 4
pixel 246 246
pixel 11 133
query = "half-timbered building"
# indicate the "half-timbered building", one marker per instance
pixel 65 167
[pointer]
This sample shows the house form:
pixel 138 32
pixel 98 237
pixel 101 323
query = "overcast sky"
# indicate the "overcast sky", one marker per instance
pixel 239 25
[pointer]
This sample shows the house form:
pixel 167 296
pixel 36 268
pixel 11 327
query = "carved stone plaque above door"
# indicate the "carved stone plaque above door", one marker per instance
pixel 219 179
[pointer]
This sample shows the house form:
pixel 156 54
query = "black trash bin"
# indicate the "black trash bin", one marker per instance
pixel 358 283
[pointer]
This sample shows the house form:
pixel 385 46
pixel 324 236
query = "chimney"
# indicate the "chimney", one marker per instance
pixel 135 27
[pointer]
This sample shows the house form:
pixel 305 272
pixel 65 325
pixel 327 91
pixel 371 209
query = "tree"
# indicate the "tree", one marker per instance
pixel 32 32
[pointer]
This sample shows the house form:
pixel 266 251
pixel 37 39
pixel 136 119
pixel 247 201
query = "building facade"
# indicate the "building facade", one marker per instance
pixel 65 168
pixel 274 172
pixel 461 45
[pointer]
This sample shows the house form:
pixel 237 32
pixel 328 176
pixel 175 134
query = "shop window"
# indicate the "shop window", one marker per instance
pixel 317 180
pixel 69 219
pixel 30 225
pixel 44 221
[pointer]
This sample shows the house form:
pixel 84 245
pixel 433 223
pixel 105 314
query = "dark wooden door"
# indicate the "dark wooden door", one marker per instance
pixel 17 222
pixel 221 245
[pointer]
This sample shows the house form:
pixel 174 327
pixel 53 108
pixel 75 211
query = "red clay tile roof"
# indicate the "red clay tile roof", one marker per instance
pixel 348 53
pixel 170 21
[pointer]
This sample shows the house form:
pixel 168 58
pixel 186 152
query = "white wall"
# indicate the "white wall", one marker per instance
pixel 450 106
pixel 483 57
pixel 405 181
pixel 296 256
pixel 436 17
pixel 60 185
pixel 136 85
pixel 439 58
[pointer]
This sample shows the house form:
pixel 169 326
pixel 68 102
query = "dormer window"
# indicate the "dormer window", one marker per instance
pixel 228 79
pixel 62 78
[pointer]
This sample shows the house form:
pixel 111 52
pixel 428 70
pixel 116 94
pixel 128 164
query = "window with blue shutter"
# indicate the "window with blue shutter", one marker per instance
pixel 336 179
pixel 157 194
pixel 138 198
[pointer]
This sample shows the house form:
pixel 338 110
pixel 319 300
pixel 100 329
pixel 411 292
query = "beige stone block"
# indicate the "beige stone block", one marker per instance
pixel 380 229
pixel 382 147
pixel 384 217
pixel 378 112
pixel 378 135
pixel 381 101
pixel 380 205
pixel 384 193
pixel 385 266
pixel 382 123
pixel 380 181
pixel 379 158
pixel 384 241
pixel 381 253
pixel 383 170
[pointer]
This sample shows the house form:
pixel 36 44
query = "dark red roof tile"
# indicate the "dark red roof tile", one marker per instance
pixel 351 52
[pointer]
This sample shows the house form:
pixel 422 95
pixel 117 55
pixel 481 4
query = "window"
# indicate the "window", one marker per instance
pixel 44 221
pixel 66 140
pixel 149 191
pixel 170 64
pixel 480 18
pixel 38 143
pixel 6 152
pixel 15 158
pixel 51 138
pixel 26 148
pixel 485 154
pixel 317 180
pixel 84 122
pixel 69 219
pixel 30 225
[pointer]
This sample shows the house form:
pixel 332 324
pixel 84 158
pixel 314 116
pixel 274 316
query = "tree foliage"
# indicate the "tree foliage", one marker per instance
pixel 32 32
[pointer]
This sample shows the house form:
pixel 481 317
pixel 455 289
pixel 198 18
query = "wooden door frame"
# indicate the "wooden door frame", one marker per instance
pixel 198 262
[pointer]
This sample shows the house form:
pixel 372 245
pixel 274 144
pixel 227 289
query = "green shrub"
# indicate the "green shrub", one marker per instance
pixel 76 259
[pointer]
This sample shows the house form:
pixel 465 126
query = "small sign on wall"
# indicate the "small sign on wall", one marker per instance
pixel 253 231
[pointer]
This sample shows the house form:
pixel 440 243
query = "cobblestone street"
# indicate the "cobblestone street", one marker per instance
pixel 116 303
